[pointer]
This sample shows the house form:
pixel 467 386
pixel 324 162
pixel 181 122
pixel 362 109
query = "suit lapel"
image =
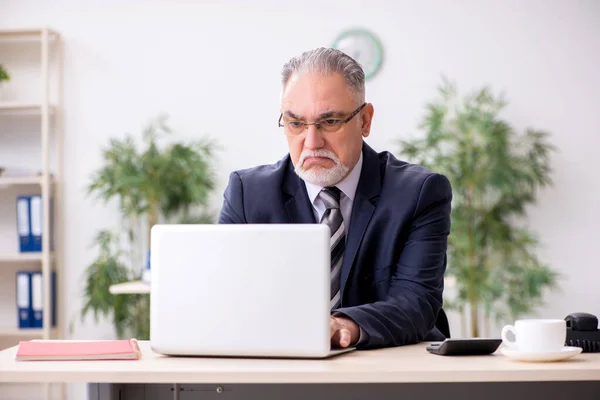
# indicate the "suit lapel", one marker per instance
pixel 365 200
pixel 297 205
pixel 299 209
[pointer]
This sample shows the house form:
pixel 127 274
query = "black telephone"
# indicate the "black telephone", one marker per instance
pixel 582 331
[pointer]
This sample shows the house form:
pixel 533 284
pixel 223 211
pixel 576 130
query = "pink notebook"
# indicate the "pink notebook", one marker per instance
pixel 51 350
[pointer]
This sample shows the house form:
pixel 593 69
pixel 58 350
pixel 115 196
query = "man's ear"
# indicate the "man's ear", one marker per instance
pixel 366 118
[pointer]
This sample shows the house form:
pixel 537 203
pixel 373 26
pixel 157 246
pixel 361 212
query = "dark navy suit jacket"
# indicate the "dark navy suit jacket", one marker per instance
pixel 395 255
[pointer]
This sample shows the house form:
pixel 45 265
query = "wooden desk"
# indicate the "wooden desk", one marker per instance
pixel 401 365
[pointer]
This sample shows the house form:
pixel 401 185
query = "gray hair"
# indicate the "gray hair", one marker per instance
pixel 326 61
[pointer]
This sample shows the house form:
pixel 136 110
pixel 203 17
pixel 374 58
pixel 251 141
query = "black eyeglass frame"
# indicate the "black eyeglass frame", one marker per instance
pixel 318 123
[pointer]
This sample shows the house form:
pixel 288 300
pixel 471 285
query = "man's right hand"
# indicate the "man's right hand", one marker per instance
pixel 344 332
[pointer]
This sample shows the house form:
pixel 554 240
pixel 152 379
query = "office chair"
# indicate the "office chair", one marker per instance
pixel 442 323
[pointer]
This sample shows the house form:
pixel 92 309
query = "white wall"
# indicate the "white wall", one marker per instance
pixel 214 67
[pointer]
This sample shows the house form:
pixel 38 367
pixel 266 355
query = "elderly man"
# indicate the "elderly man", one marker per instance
pixel 389 220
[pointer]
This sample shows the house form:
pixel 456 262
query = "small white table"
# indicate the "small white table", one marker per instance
pixel 408 369
pixel 133 287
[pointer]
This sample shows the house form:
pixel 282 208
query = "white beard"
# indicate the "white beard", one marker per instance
pixel 321 176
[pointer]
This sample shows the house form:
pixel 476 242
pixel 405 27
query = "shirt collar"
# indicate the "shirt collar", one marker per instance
pixel 347 185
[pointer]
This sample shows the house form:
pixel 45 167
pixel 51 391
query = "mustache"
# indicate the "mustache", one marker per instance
pixel 318 153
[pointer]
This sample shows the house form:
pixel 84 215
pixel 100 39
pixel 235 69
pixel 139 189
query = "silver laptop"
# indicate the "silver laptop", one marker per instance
pixel 241 290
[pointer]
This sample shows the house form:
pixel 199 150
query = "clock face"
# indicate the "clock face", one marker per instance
pixel 362 46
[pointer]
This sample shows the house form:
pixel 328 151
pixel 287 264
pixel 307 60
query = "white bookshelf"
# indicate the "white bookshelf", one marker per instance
pixel 17 180
pixel 34 100
pixel 24 334
pixel 29 34
pixel 22 180
pixel 20 106
pixel 22 257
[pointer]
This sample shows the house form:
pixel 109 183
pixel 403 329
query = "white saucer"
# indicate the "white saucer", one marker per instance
pixel 563 354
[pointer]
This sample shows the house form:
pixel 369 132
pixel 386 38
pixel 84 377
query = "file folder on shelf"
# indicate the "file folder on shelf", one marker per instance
pixel 24 224
pixel 24 294
pixel 35 216
pixel 30 223
pixel 37 299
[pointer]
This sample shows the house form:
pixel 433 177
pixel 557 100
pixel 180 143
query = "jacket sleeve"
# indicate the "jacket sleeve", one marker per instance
pixel 414 299
pixel 232 211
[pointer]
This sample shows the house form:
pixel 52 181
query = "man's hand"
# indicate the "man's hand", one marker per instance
pixel 344 332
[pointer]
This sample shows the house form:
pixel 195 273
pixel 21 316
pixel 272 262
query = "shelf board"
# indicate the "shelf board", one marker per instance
pixel 133 287
pixel 20 180
pixel 21 257
pixel 17 332
pixel 25 34
pixel 6 106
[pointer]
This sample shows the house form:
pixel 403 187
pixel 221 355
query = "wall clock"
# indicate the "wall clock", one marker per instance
pixel 363 46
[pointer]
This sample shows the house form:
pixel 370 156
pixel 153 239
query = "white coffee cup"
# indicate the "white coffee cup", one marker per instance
pixel 536 335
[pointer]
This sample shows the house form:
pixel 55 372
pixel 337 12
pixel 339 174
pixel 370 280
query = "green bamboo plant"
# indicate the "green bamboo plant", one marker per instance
pixel 495 174
pixel 163 182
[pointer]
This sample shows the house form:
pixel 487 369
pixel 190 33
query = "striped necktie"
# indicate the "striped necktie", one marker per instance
pixel 333 218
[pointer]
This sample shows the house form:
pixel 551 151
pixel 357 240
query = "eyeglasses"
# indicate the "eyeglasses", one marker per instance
pixel 294 127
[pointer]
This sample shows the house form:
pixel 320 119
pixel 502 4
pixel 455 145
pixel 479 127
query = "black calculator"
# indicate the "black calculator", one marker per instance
pixel 465 347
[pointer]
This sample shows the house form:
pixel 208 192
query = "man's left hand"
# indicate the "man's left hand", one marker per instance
pixel 344 332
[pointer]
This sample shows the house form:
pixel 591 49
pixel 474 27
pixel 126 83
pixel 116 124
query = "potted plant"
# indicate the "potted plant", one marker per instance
pixel 4 77
pixel 495 173
pixel 163 182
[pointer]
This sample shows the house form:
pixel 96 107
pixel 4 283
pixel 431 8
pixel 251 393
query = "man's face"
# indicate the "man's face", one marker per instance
pixel 324 157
